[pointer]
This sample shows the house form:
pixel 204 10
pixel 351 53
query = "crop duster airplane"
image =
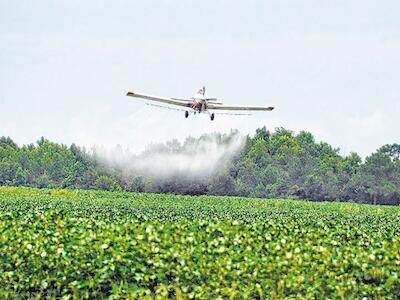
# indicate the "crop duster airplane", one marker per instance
pixel 199 103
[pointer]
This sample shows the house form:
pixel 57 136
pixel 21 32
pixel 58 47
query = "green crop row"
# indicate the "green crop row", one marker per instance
pixel 90 244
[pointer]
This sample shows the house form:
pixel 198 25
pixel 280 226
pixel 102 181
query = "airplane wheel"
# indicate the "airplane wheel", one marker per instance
pixel 212 117
pixel 186 114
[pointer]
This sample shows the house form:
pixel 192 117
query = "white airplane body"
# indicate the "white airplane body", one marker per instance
pixel 199 103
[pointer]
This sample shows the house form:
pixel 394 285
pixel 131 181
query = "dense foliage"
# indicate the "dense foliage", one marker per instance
pixel 95 244
pixel 270 164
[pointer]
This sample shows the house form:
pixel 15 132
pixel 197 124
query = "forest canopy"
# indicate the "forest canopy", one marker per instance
pixel 278 164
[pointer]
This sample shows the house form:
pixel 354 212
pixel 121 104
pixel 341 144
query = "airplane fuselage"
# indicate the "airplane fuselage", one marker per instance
pixel 199 105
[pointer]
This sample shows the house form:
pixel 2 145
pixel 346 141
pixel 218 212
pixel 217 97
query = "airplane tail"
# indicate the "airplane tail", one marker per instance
pixel 201 92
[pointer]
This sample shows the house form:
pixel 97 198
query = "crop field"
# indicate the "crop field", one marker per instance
pixel 92 244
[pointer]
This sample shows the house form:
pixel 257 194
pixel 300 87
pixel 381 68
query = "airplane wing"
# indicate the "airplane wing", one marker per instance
pixel 237 107
pixel 172 101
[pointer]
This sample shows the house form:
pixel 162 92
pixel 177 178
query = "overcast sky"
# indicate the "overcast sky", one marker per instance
pixel 329 67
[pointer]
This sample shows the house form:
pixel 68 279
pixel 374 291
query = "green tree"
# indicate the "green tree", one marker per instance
pixel 378 179
pixel 8 169
pixel 20 177
pixel 222 184
pixel 137 184
pixel 107 183
pixel 7 141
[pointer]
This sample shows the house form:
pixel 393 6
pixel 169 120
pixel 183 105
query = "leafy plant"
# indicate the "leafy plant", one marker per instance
pixel 97 244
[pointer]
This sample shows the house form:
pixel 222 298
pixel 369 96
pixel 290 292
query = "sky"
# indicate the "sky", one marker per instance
pixel 330 67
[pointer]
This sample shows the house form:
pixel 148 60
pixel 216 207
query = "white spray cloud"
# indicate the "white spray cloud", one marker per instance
pixel 194 158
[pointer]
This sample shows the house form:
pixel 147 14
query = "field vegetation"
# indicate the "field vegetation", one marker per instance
pixel 95 244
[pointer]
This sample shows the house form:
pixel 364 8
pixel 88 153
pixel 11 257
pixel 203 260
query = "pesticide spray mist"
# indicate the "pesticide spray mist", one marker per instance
pixel 194 159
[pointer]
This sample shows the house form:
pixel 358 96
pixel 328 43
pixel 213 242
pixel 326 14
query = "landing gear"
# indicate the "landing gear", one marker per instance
pixel 212 116
pixel 186 114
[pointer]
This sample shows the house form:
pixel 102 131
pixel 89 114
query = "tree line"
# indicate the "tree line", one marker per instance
pixel 278 164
